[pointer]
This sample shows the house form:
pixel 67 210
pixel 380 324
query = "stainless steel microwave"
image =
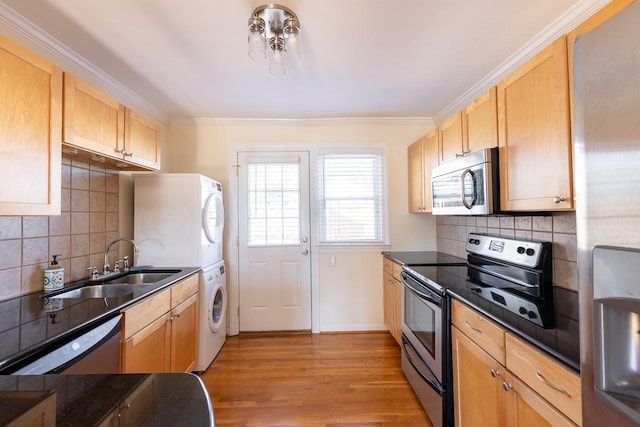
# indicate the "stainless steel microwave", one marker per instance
pixel 467 185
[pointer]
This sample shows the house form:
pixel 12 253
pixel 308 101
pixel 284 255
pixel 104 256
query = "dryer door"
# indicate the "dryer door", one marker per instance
pixel 213 218
pixel 217 308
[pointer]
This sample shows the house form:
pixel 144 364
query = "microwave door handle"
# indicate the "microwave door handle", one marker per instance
pixel 475 189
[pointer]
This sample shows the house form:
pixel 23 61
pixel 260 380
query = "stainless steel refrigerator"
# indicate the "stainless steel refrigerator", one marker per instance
pixel 607 179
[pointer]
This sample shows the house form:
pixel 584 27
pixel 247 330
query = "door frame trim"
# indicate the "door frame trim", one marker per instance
pixel 233 258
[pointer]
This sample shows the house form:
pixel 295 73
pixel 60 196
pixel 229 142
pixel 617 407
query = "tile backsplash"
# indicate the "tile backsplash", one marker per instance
pixel 559 228
pixel 89 219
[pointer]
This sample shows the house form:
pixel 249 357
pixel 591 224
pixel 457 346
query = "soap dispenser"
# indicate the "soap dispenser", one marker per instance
pixel 54 276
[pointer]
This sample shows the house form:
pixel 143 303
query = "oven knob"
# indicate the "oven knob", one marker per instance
pixel 530 252
pixel 520 249
pixel 523 310
pixel 476 242
pixel 471 241
pixel 532 315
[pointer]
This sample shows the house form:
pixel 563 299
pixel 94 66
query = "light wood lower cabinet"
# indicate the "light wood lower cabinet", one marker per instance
pixel 30 132
pixel 392 298
pixel 160 332
pixel 491 393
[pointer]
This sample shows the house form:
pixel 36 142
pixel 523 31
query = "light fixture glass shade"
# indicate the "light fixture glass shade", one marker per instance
pixel 276 57
pixel 293 43
pixel 257 46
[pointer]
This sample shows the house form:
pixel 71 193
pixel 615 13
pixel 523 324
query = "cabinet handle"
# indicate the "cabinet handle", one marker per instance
pixel 558 199
pixel 121 151
pixel 178 315
pixel 547 383
pixel 127 154
pixel 506 386
pixel 494 373
pixel 170 319
pixel 470 326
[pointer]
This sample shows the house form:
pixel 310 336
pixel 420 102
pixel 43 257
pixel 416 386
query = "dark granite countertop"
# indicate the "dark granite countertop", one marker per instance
pixel 424 258
pixel 31 323
pixel 172 399
pixel 560 342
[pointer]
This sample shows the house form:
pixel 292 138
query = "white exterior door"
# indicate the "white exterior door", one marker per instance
pixel 274 259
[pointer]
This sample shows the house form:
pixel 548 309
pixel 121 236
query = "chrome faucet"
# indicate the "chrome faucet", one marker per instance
pixel 106 268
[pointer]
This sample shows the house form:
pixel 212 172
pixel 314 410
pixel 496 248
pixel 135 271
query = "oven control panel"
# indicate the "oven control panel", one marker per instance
pixel 519 306
pixel 522 252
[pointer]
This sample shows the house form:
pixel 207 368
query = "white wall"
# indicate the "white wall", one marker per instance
pixel 348 296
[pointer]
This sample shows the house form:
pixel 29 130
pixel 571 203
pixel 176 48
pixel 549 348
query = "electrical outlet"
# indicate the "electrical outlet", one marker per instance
pixel 331 260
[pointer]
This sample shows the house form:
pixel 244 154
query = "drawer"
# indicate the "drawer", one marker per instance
pixel 387 266
pixel 184 289
pixel 485 333
pixel 551 380
pixel 397 269
pixel 146 311
pixel 391 268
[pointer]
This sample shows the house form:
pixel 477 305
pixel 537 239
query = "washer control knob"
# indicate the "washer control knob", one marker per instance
pixel 530 252
pixel 520 249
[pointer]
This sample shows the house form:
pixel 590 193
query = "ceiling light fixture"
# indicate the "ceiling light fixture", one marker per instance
pixel 276 27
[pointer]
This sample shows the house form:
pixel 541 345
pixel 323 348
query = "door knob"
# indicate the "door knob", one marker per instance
pixel 305 252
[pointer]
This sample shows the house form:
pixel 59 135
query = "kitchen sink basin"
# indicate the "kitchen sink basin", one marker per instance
pixel 141 278
pixel 103 291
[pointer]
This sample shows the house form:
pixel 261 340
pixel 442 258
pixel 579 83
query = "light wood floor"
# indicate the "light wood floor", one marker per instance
pixel 311 380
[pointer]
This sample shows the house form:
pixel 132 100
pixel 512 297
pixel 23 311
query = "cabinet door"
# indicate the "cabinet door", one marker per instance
pixel 534 136
pixel 451 138
pixel 92 120
pixel 397 312
pixel 184 335
pixel 389 301
pixel 480 123
pixel 149 350
pixel 416 177
pixel 430 160
pixel 141 140
pixel 30 132
pixel 477 386
pixel 525 408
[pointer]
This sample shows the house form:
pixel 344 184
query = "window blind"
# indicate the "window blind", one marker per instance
pixel 351 197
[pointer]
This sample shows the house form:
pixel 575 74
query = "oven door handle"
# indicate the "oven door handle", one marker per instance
pixel 433 381
pixel 423 292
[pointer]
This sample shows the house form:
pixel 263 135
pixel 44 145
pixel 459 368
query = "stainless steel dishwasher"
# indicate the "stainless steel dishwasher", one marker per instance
pixel 93 351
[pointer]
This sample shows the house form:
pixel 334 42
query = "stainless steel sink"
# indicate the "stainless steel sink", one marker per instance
pixel 104 291
pixel 140 278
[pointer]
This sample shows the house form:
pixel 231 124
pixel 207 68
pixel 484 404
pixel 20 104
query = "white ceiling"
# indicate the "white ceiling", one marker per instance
pixel 360 58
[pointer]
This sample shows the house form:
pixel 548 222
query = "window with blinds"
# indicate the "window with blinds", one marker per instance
pixel 273 204
pixel 351 197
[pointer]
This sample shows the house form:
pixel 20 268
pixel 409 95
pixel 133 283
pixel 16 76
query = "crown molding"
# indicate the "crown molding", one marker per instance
pixel 70 61
pixel 336 121
pixel 561 26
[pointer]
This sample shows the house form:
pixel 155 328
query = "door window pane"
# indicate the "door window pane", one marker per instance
pixel 273 204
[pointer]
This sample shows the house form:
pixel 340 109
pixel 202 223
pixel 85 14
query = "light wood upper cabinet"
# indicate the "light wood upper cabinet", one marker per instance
pixel 92 120
pixel 141 140
pixel 450 138
pixel 423 157
pixel 534 134
pixel 101 125
pixel 30 132
pixel 480 123
pixel 416 176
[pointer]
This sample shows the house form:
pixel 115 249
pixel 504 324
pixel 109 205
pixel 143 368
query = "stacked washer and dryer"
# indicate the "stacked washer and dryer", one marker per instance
pixel 179 222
